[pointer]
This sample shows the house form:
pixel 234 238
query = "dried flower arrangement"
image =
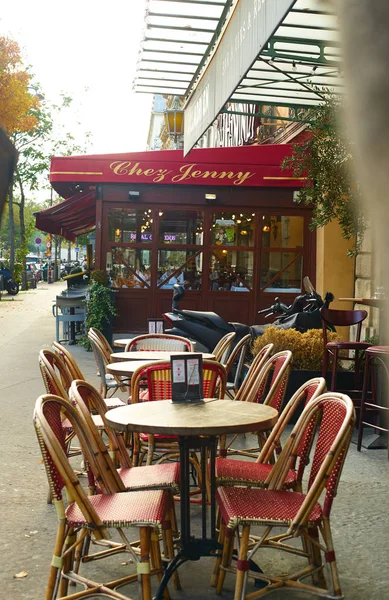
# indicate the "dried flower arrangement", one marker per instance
pixel 307 348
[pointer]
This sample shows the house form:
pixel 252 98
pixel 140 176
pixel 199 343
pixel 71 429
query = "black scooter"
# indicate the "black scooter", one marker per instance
pixel 8 283
pixel 207 328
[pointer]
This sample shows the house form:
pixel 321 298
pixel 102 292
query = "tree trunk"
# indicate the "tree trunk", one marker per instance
pixel 11 228
pixel 23 244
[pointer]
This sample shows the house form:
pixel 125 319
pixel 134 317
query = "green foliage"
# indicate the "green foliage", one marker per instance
pixel 325 159
pixel 100 276
pixel 307 348
pixel 100 309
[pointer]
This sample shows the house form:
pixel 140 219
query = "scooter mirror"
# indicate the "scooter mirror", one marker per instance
pixel 178 293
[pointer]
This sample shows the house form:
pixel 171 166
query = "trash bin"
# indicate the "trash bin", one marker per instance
pixel 44 272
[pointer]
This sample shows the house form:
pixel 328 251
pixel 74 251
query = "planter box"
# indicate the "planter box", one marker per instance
pixel 344 381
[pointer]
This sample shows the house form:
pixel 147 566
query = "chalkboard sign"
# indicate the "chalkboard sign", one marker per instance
pixel 187 377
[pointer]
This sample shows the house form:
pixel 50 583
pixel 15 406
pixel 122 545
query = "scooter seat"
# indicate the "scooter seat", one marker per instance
pixel 207 317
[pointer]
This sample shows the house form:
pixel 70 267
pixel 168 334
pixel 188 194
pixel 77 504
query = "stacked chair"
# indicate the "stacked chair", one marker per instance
pixel 109 384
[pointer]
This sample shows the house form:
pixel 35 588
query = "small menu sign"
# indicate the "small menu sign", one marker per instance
pixel 187 377
pixel 155 325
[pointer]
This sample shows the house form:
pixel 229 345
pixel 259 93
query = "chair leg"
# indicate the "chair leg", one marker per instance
pixel 156 561
pixel 144 563
pixel 330 557
pixel 242 567
pixel 56 562
pixel 168 539
pixel 334 366
pixel 228 548
pixel 216 568
pixel 363 400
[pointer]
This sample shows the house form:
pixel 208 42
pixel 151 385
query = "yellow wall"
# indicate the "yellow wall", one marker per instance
pixel 334 269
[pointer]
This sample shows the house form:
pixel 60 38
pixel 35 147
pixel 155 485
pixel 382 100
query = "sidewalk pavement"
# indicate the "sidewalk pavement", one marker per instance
pixel 359 518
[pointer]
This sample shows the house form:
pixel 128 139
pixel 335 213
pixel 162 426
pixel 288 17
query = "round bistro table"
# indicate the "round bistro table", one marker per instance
pixel 197 426
pixel 150 355
pixel 127 368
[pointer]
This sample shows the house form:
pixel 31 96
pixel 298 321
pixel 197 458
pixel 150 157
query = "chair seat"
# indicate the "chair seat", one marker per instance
pixel 165 475
pixel 255 505
pixel 247 472
pixel 68 428
pixel 124 509
pixel 114 402
pixel 348 345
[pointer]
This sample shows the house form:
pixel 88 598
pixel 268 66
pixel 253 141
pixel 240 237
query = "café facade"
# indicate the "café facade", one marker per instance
pixel 223 222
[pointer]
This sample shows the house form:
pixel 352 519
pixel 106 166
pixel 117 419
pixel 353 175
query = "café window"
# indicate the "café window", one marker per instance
pixel 180 266
pixel 129 267
pixel 129 226
pixel 231 270
pixel 181 227
pixel 232 229
pixel 282 272
pixel 282 232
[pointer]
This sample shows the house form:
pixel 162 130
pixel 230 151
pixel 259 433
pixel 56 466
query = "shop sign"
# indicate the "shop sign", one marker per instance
pixel 251 25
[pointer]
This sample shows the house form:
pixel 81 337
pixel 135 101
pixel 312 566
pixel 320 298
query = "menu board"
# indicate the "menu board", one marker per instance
pixel 187 377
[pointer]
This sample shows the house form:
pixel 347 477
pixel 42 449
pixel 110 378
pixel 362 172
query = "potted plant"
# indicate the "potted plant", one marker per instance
pixel 307 360
pixel 100 306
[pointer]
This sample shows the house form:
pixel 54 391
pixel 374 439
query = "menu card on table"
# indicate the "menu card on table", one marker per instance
pixel 187 378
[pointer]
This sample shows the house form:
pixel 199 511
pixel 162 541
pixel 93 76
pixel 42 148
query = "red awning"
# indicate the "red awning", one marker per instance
pixel 71 217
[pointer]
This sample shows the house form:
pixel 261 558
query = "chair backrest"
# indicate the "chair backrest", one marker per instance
pixel 159 386
pixel 342 318
pixel 69 360
pixel 87 399
pixel 256 365
pixel 237 357
pixel 102 359
pixel 307 392
pixel 55 375
pixel 334 416
pixel 269 386
pixel 160 341
pixel 102 339
pixel 48 414
pixel 223 347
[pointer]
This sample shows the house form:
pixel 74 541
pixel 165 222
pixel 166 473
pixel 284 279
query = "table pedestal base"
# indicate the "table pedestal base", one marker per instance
pixel 193 548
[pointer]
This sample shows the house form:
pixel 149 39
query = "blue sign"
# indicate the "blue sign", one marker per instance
pixel 77 249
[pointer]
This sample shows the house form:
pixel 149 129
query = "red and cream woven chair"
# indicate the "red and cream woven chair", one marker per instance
pixel 93 516
pixel 157 377
pixel 236 360
pixel 268 386
pixel 296 514
pixel 254 369
pixel 76 373
pixel 257 474
pixel 163 476
pixel 159 341
pixel 223 348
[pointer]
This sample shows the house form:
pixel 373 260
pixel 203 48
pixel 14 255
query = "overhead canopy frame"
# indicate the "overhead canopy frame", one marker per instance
pixel 298 63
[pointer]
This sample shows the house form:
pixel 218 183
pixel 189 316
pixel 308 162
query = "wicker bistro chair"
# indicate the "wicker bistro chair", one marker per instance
pixel 237 360
pixel 91 516
pixel 299 515
pixel 108 478
pixel 75 372
pixel 223 348
pixel 338 351
pixel 109 384
pixel 268 386
pixel 164 476
pixel 160 341
pixel 258 473
pixel 157 376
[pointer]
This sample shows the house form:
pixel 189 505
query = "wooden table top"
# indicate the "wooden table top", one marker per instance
pixel 376 302
pixel 127 367
pixel 211 417
pixel 150 355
